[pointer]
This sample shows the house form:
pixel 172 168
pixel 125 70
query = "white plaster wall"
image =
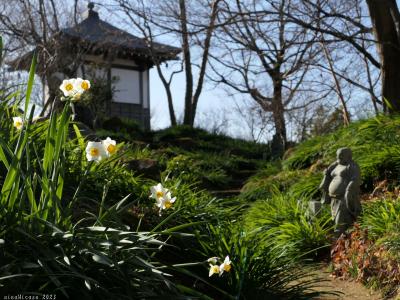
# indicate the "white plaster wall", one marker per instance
pixel 127 87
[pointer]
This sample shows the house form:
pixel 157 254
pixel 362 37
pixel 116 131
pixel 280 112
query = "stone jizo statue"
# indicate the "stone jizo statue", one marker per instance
pixel 341 188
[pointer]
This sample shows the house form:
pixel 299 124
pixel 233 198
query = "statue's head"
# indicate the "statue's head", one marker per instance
pixel 344 156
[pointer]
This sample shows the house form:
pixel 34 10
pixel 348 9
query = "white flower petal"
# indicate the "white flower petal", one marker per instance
pixel 214 269
pixel 109 145
pixel 18 122
pixel 68 87
pixel 81 85
pixel 227 260
pixel 95 151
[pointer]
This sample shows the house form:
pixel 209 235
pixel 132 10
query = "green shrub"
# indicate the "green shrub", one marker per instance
pixel 90 262
pixel 305 154
pixel 374 143
pixel 260 188
pixel 306 186
pixel 195 168
pixel 124 128
pixel 284 221
pixel 256 273
pixel 381 217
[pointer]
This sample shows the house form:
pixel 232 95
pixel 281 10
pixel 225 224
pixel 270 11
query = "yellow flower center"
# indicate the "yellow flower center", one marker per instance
pixel 69 87
pixel 18 124
pixel 94 152
pixel 159 194
pixel 111 149
pixel 227 268
pixel 85 85
pixel 168 204
pixel 215 269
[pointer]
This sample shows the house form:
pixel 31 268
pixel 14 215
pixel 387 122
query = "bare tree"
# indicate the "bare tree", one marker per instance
pixel 216 121
pixel 385 17
pixel 338 89
pixel 257 120
pixel 29 25
pixel 343 21
pixel 264 56
pixel 193 23
pixel 139 14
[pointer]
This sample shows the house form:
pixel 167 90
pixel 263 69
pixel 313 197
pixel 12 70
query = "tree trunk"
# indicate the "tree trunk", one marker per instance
pixel 171 108
pixel 204 59
pixel 383 14
pixel 346 115
pixel 279 139
pixel 187 117
pixel 169 96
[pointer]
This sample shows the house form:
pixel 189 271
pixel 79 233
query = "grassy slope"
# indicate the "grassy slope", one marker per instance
pixel 375 145
pixel 276 189
pixel 208 161
pixel 193 158
pixel 213 161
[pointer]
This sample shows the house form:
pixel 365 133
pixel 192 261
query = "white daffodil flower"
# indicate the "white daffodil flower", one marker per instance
pixel 74 87
pixel 81 85
pixel 214 269
pixel 68 87
pixel 18 123
pixel 166 201
pixel 95 151
pixel 158 191
pixel 225 266
pixel 162 196
pixel 109 146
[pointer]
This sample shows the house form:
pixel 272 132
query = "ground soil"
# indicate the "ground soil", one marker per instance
pixel 347 289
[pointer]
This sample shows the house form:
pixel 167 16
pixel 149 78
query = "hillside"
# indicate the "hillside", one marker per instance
pixel 218 163
pixel 274 195
pixel 99 221
pixel 281 190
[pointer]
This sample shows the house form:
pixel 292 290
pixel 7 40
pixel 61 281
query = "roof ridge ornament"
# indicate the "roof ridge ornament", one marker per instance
pixel 91 12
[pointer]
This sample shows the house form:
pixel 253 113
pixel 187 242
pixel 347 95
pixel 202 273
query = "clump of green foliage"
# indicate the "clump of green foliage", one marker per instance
pixel 381 217
pixel 375 147
pixel 299 183
pixel 257 272
pixel 373 142
pixel 284 220
pixel 43 249
pixel 123 129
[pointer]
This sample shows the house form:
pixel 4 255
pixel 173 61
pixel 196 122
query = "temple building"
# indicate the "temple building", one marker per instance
pixel 96 50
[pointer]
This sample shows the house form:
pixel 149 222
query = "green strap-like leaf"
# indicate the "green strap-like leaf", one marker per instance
pixel 30 83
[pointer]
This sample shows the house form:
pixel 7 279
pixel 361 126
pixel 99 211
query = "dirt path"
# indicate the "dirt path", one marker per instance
pixel 350 289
